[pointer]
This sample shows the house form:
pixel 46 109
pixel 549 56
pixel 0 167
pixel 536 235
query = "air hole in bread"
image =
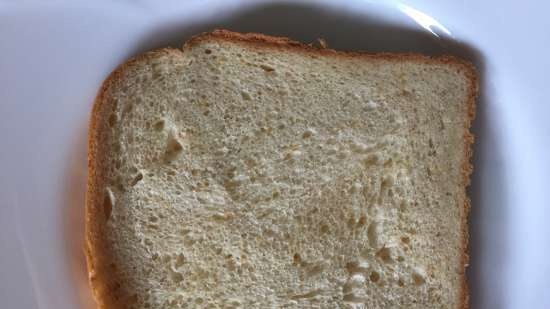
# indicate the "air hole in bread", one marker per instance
pixel 370 160
pixel 267 68
pixel 400 283
pixel 173 148
pixel 351 221
pixel 362 221
pixel 136 179
pixel 387 182
pixel 180 260
pixel 374 276
pixel 385 254
pixel 419 276
pixel 296 258
pixel 357 267
pixel 159 125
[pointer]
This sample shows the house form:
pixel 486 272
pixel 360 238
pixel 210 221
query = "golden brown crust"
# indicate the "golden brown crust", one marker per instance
pixel 93 196
pixel 265 41
pixel 467 169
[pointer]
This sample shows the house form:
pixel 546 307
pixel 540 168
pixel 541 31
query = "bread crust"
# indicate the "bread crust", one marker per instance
pixel 93 195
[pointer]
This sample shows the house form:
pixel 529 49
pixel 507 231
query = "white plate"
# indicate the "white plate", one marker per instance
pixel 54 56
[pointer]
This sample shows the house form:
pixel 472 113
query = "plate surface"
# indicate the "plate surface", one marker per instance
pixel 54 56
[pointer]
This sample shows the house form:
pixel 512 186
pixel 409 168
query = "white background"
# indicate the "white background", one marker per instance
pixel 55 54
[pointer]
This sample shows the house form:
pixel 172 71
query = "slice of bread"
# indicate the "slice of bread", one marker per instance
pixel 247 171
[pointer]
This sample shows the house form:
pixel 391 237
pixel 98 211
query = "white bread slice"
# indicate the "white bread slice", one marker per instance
pixel 248 171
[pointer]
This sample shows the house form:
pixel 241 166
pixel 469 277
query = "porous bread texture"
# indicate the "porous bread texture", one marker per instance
pixel 252 172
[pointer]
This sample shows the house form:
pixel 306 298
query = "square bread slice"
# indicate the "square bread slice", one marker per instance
pixel 248 171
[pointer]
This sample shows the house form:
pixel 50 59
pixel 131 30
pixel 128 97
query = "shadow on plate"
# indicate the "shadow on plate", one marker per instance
pixel 356 32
